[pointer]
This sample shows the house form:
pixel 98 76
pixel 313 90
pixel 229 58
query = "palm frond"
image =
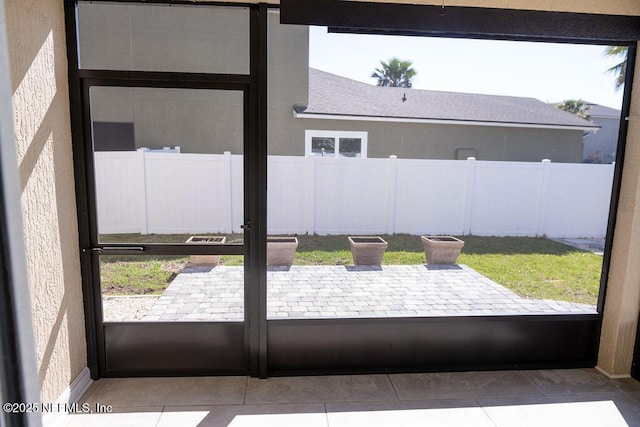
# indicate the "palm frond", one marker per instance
pixel 620 69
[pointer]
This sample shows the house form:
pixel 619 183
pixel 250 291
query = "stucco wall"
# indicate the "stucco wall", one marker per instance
pixel 37 54
pixel 197 120
pixel 603 144
pixel 161 38
pixel 622 304
pixel 287 84
pixel 438 141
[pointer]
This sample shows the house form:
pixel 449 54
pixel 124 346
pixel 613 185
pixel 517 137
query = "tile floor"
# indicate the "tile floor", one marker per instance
pixel 574 397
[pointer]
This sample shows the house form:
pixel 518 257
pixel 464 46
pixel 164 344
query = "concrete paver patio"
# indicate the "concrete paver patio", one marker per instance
pixel 216 294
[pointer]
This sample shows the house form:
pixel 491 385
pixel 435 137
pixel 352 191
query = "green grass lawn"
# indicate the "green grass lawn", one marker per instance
pixel 536 268
pixel 531 267
pixel 148 275
pixel 140 275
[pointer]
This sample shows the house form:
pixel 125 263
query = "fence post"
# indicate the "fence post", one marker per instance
pixel 469 191
pixel 543 197
pixel 229 177
pixel 311 193
pixel 391 201
pixel 142 190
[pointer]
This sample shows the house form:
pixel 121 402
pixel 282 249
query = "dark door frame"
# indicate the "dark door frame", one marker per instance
pixel 137 348
pixel 112 346
pixel 635 363
pixel 463 22
pixel 382 345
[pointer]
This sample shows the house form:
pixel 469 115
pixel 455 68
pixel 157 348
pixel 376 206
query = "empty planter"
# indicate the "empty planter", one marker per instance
pixel 206 240
pixel 367 250
pixel 441 249
pixel 281 250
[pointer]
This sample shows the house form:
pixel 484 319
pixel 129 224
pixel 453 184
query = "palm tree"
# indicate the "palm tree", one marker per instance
pixel 620 70
pixel 575 106
pixel 394 73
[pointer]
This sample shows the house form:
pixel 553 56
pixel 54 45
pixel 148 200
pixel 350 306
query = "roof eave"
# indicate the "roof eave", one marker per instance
pixel 324 116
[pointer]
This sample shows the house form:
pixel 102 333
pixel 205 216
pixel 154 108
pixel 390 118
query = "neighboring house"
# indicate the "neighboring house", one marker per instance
pixel 600 147
pixel 311 111
pixel 199 121
pixel 425 124
pixel 347 118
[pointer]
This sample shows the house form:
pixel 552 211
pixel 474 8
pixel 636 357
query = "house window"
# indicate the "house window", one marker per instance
pixel 336 143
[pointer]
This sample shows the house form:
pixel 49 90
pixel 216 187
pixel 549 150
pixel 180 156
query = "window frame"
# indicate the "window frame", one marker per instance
pixel 336 134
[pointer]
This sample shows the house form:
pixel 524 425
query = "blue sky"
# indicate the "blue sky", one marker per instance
pixel 546 71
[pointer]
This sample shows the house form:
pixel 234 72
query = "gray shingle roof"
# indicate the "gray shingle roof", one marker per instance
pixel 597 110
pixel 330 94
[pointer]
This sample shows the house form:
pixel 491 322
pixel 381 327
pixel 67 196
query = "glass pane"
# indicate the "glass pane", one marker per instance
pixel 350 147
pixel 146 37
pixel 323 146
pixel 531 231
pixel 172 288
pixel 168 164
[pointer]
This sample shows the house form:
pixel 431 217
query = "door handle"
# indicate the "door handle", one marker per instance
pixel 123 248
pixel 114 248
pixel 96 250
pixel 247 226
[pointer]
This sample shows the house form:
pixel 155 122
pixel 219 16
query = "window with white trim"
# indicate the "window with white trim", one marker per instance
pixel 328 143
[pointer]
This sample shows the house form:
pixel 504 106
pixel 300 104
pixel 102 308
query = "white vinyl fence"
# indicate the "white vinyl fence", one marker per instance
pixel 147 192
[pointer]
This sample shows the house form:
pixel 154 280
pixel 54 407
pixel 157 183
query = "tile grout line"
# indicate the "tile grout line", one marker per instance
pixel 85 397
pixel 326 413
pixel 526 377
pixel 246 390
pixel 393 387
pixel 486 413
pixel 161 413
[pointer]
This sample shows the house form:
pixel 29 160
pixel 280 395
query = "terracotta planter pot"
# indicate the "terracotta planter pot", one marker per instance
pixel 441 249
pixel 367 250
pixel 281 250
pixel 206 240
